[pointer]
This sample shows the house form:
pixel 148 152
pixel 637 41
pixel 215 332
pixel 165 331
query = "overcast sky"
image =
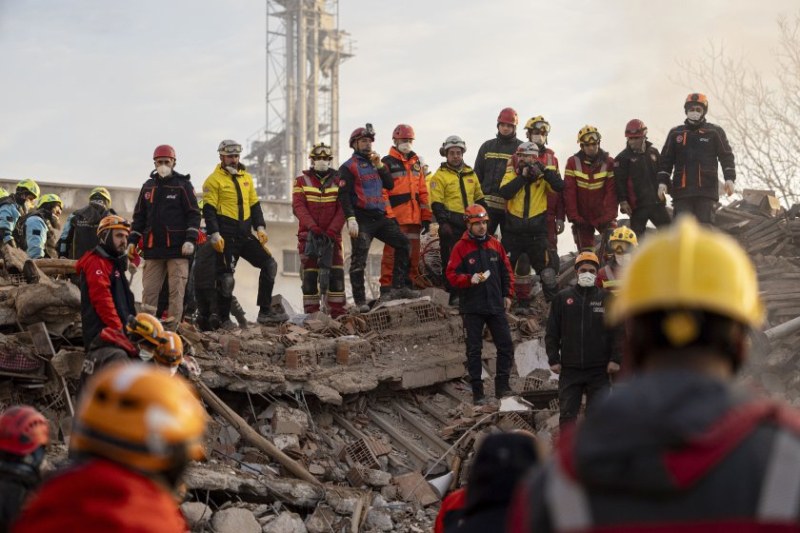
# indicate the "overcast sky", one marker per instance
pixel 90 87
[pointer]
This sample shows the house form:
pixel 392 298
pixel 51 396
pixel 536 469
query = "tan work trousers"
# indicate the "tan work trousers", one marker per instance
pixel 155 270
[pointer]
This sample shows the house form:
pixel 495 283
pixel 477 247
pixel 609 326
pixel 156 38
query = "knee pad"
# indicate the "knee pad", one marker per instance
pixel 549 278
pixel 523 266
pixel 226 285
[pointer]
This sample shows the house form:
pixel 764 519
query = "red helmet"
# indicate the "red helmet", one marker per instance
pixel 403 131
pixel 508 116
pixel 360 133
pixel 635 129
pixel 475 213
pixel 164 150
pixel 23 429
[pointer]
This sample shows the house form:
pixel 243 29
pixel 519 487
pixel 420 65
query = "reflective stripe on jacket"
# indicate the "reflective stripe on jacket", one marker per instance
pixel 315 203
pixel 409 197
pixel 231 203
pixel 590 195
pixel 452 191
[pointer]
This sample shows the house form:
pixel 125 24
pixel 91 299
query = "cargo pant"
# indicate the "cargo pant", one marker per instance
pixel 311 286
pixel 501 336
pixel 412 232
pixel 388 231
pixel 573 383
pixel 154 274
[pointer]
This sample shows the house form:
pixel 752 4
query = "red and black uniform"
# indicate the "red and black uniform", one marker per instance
pixel 483 304
pixel 690 154
pixel 671 451
pixel 636 177
pixel 555 201
pixel 590 196
pixel 578 339
pixel 490 166
pixel 608 277
pixel 99 495
pixel 321 218
pixel 411 209
pixel 450 511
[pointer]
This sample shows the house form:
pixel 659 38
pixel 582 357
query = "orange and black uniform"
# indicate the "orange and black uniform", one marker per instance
pixel 590 196
pixel 411 208
pixel 321 218
pixel 690 154
pixel 636 177
pixel 490 166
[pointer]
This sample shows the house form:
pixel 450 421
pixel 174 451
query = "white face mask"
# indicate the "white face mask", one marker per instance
pixel 233 171
pixel 320 165
pixel 694 116
pixel 145 355
pixel 538 139
pixel 163 170
pixel 404 148
pixel 586 279
pixel 622 259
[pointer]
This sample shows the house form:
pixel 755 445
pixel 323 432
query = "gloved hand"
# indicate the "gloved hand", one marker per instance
pixel 333 234
pixel 217 242
pixel 507 303
pixel 131 251
pixel 187 249
pixel 612 367
pixel 375 158
pixel 316 230
pixel 559 227
pixel 426 227
pixel 662 192
pixel 352 228
pixel 132 268
pixel 476 278
pixel 625 207
pixel 728 187
pixel 261 235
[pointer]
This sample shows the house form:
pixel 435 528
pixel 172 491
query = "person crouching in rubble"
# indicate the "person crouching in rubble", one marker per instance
pixel 480 271
pixel 24 435
pixel 136 429
pixel 621 244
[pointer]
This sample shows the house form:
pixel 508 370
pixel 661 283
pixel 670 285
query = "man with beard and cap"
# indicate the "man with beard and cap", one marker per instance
pixel 166 223
pixel 636 175
pixel 13 206
pixel 80 230
pixel 679 448
pixel 491 163
pixel 37 232
pixel 691 154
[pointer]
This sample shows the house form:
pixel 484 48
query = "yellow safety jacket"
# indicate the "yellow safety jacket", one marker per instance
pixel 446 188
pixel 230 202
pixel 536 197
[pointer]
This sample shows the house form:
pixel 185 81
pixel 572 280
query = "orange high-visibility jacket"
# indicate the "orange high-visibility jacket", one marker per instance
pixel 409 197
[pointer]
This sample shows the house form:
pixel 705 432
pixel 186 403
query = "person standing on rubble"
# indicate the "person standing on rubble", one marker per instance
pixel 363 179
pixel 37 231
pixel 691 155
pixel 24 436
pixel 166 221
pixel 580 347
pixel 679 448
pixel 491 163
pixel 12 207
pixel 480 271
pixel 525 187
pixel 636 175
pixel 454 187
pixel 409 201
pixel 80 230
pixel 136 429
pixel 590 195
pixel 232 211
pixel 319 235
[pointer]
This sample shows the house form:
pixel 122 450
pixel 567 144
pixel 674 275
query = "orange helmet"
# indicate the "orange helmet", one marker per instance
pixel 585 257
pixel 145 326
pixel 697 98
pixel 169 351
pixel 508 116
pixel 475 213
pixel 23 430
pixel 140 416
pixel 113 222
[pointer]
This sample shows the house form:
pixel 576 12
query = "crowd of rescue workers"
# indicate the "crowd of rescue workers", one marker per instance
pixel 672 444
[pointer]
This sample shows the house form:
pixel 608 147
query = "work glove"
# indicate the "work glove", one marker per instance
pixel 728 187
pixel 352 228
pixel 559 227
pixel 131 251
pixel 261 235
pixel 132 268
pixel 187 249
pixel 625 207
pixel 426 227
pixel 217 242
pixel 477 278
pixel 316 230
pixel 612 367
pixel 662 192
pixel 507 303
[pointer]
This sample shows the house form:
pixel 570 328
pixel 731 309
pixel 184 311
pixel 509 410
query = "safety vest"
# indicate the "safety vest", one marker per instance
pixel 409 197
pixel 367 188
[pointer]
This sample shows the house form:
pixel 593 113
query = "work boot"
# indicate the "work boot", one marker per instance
pixel 478 398
pixel 271 317
pixel 502 389
pixel 362 307
pixel 453 301
pixel 402 293
pixel 228 325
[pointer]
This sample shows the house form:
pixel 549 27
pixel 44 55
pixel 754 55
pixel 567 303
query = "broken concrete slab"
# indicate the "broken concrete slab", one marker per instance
pixel 412 487
pixel 286 420
pixel 286 522
pixel 197 514
pixel 235 520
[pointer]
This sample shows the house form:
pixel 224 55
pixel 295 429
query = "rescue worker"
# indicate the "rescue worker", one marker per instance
pixel 166 221
pixel 232 211
pixel 369 215
pixel 168 352
pixel 37 231
pixel 536 130
pixel 136 429
pixel 590 195
pixel 409 201
pixel 580 347
pixel 24 436
pixel 319 235
pixel 14 206
pixel 80 230
pixel 622 242
pixel 454 187
pixel 690 155
pixel 3 193
pixel 491 163
pixel 636 176
pixel 679 448
pixel 525 187
pixel 480 271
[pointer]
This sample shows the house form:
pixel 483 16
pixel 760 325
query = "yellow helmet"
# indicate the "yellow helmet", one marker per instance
pixel 169 351
pixel 140 416
pixel 689 267
pixel 49 199
pixel 101 191
pixel 587 134
pixel 623 234
pixel 3 192
pixel 30 186
pixel 538 123
pixel 146 326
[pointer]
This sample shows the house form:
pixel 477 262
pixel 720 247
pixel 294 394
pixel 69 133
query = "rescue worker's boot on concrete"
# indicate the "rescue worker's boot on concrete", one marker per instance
pixel 268 316
pixel 523 285
pixel 402 293
pixel 478 397
pixel 502 388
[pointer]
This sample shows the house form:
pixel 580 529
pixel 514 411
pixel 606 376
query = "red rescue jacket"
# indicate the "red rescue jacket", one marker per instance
pixel 315 203
pixel 590 195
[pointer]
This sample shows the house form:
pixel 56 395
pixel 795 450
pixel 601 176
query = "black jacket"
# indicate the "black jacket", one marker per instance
pixel 637 176
pixel 166 216
pixel 472 256
pixel 492 160
pixel 577 336
pixel 690 155
pixel 80 233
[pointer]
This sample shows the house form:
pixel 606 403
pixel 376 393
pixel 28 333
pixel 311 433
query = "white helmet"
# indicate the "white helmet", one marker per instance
pixel 229 147
pixel 528 148
pixel 454 141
